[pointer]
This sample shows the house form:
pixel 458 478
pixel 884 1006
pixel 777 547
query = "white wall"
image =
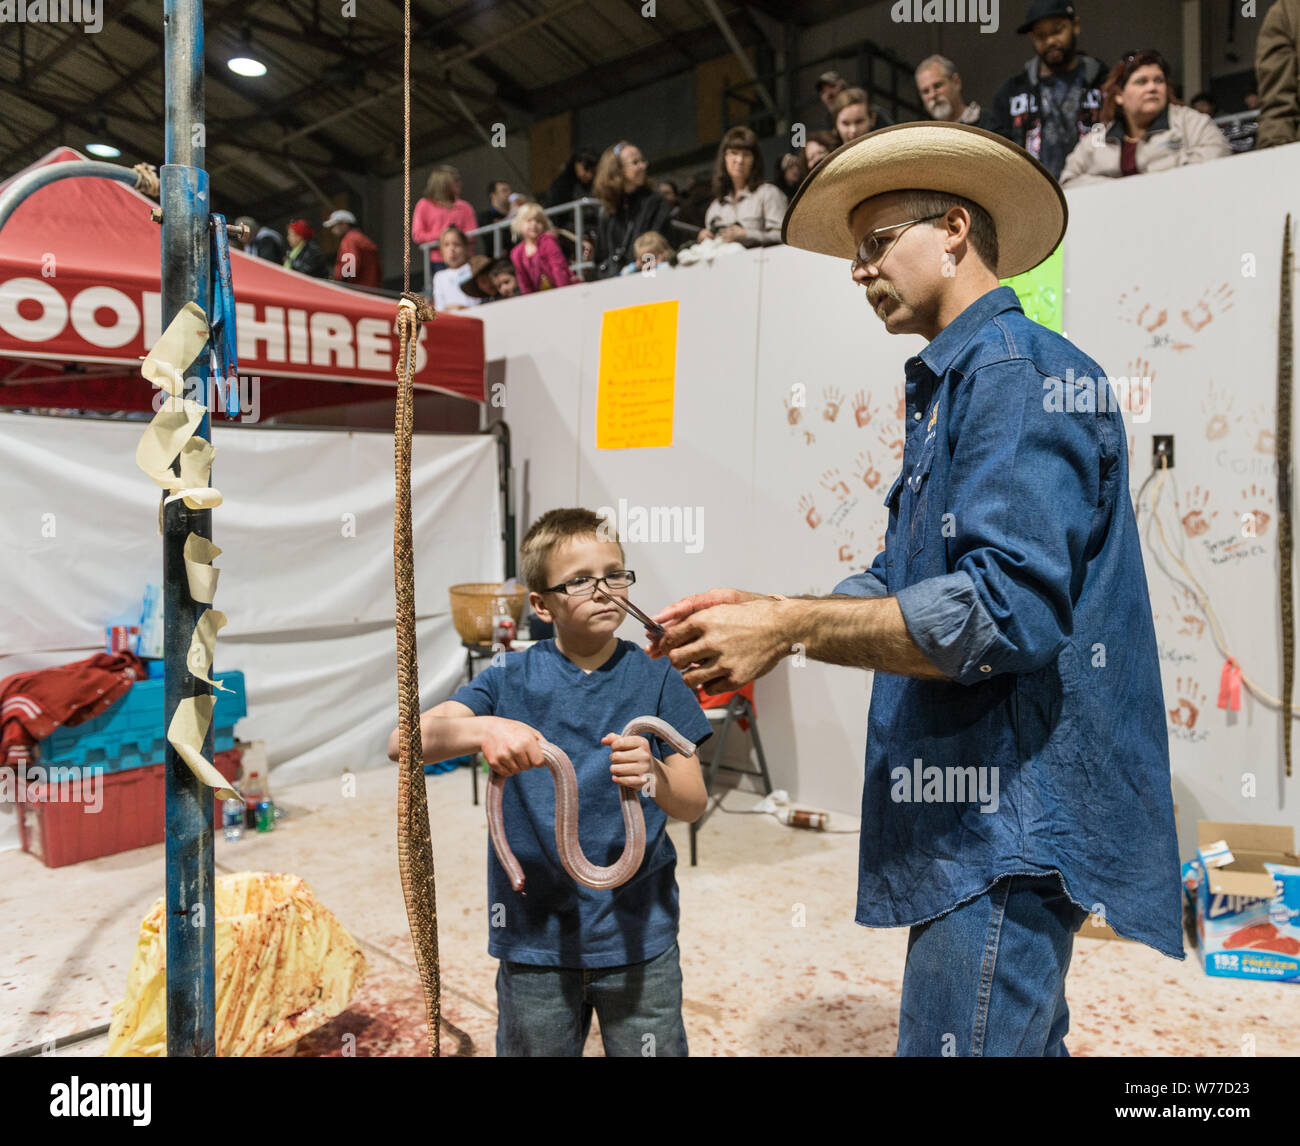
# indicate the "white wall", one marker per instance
pixel 752 327
pixel 306 531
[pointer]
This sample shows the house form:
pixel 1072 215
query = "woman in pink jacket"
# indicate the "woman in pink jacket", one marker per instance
pixel 539 262
pixel 440 207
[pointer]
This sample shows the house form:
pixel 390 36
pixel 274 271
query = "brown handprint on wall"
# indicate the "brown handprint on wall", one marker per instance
pixel 1254 522
pixel 865 469
pixel 832 481
pixel 1217 406
pixel 862 411
pixel 834 400
pixel 1196 521
pixel 1190 699
pixel 1212 301
pixel 809 508
pixel 1147 317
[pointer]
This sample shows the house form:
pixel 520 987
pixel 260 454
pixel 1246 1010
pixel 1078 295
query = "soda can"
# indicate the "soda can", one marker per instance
pixel 265 816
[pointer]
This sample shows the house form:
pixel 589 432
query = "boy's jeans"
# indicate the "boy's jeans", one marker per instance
pixel 988 978
pixel 545 1012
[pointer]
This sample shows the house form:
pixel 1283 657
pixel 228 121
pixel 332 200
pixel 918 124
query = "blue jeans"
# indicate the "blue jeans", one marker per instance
pixel 545 1012
pixel 988 978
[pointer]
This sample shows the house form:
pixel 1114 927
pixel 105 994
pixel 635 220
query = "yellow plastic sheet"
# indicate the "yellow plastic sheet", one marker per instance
pixel 284 966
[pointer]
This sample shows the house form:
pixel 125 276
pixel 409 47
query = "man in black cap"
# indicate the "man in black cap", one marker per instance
pixel 1050 105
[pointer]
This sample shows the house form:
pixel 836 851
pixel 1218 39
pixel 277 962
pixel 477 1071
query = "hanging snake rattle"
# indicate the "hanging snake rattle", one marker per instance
pixel 579 867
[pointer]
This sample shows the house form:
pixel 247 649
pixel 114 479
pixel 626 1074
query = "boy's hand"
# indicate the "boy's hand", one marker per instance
pixel 630 761
pixel 510 746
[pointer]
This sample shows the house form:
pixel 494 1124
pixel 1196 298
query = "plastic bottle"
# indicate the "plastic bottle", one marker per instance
pixel 801 818
pixel 255 792
pixel 232 818
pixel 503 625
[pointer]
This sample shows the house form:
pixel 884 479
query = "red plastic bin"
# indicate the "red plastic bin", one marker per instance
pixel 59 823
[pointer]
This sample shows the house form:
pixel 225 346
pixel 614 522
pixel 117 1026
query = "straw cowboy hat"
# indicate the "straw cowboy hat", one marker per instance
pixel 1025 202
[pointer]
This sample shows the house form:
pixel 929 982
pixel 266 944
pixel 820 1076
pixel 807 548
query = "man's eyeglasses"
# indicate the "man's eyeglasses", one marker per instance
pixel 870 247
pixel 586 586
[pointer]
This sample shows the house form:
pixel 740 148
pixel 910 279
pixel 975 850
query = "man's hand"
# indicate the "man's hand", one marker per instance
pixel 630 761
pixel 687 605
pixel 722 647
pixel 510 746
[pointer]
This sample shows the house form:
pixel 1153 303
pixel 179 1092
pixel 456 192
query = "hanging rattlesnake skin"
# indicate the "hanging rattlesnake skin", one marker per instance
pixel 1284 487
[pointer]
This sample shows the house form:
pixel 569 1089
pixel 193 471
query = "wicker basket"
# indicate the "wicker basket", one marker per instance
pixel 473 605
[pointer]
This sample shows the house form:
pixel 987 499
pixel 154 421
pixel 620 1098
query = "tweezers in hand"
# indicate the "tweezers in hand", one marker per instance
pixel 632 611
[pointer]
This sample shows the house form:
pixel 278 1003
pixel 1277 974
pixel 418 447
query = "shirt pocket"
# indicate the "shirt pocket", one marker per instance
pixel 918 481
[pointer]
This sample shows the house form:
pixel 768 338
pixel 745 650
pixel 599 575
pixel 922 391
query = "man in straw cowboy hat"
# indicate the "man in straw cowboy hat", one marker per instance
pixel 1017 767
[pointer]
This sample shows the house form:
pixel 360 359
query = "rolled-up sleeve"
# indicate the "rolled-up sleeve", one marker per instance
pixel 869 583
pixel 1023 492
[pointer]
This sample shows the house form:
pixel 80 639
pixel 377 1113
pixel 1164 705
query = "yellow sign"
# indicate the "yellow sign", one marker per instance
pixel 637 376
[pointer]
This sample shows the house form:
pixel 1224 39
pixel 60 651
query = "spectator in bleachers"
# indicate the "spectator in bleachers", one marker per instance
pixel 853 116
pixel 449 283
pixel 538 261
pixel 1147 132
pixel 262 242
pixel 818 146
pixel 481 284
pixel 744 210
pixel 1204 103
pixel 1277 70
pixel 631 208
pixel 829 87
pixel 668 189
pixel 650 252
pixel 790 172
pixel 439 208
pixel 304 254
pixel 939 87
pixel 357 260
pixel 498 207
pixel 696 199
pixel 504 279
pixel 1050 105
pixel 574 181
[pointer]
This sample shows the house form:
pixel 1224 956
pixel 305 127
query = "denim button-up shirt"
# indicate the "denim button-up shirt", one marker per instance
pixel 1012 550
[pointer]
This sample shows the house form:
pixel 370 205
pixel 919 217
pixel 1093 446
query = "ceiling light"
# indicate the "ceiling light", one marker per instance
pixel 244 62
pixel 103 150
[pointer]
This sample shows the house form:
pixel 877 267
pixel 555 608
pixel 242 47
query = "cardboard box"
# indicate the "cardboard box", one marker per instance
pixel 1247 917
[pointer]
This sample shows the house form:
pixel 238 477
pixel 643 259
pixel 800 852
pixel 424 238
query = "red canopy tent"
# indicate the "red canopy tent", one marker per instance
pixel 80 306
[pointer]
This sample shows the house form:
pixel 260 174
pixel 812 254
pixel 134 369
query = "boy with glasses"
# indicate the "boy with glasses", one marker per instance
pixel 567 949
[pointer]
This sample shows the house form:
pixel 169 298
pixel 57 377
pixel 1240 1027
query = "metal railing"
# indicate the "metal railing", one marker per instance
pixel 890 104
pixel 496 230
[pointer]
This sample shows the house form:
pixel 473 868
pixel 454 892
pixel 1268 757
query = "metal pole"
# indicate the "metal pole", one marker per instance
pixel 191 910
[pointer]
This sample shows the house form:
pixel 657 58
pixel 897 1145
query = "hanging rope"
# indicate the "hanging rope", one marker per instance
pixel 414 845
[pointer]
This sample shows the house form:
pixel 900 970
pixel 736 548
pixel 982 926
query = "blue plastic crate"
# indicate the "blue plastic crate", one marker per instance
pixel 130 734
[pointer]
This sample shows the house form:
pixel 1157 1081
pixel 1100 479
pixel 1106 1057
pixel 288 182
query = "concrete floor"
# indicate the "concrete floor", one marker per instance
pixel 754 983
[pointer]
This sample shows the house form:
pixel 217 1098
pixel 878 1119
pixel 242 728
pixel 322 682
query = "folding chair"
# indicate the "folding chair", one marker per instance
pixel 739 706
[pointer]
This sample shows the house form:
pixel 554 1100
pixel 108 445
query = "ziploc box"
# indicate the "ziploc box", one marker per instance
pixel 1248 908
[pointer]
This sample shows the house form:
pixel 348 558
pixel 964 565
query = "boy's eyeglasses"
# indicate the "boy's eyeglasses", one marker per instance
pixel 586 586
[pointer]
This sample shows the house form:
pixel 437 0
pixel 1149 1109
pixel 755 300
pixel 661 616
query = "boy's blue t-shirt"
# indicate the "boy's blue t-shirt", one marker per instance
pixel 558 922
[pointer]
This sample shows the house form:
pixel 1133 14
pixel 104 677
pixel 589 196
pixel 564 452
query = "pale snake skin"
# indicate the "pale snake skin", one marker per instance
pixel 574 862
